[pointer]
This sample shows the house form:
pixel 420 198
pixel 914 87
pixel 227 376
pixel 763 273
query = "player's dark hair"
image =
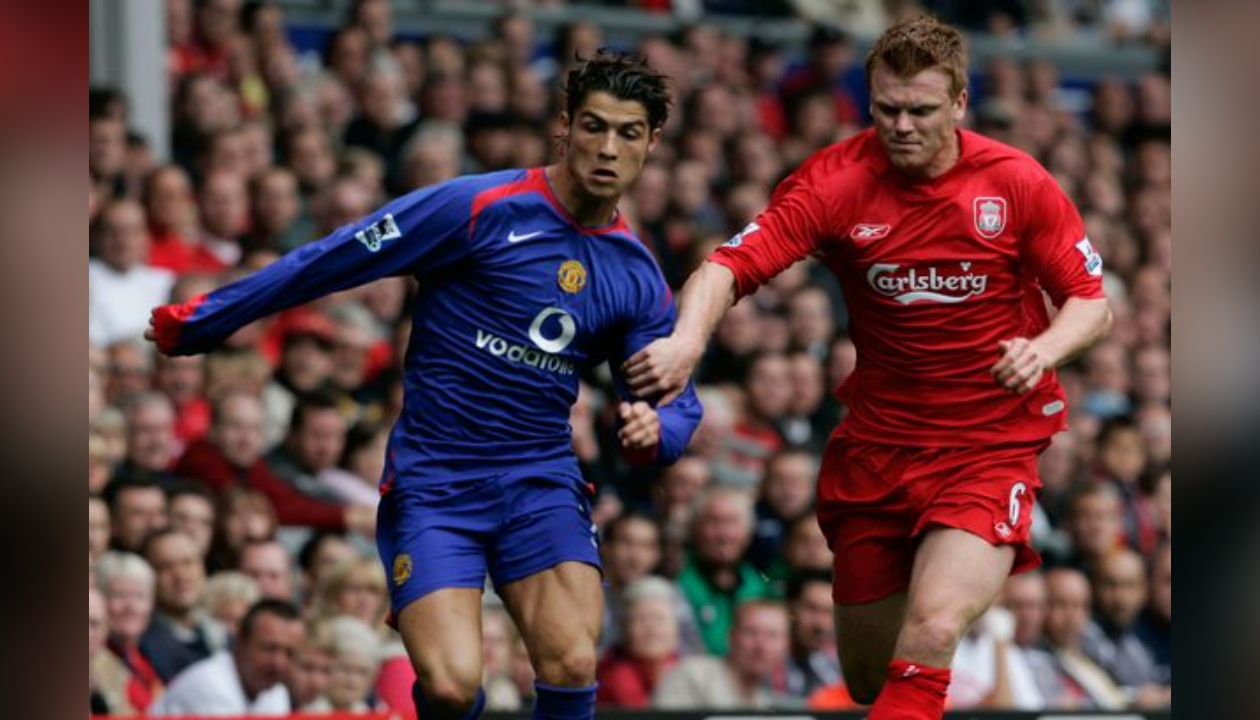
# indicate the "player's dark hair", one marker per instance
pixel 280 608
pixel 625 77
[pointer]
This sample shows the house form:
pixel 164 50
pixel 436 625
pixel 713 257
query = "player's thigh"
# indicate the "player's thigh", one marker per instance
pixel 866 635
pixel 956 577
pixel 442 634
pixel 558 611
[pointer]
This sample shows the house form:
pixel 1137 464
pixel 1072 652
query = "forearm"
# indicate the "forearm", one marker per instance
pixel 1080 323
pixel 679 420
pixel 705 298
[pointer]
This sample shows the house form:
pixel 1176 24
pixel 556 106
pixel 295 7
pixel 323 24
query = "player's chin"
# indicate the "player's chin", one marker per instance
pixel 605 189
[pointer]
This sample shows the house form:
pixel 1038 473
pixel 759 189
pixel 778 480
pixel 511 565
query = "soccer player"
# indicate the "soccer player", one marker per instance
pixel 526 276
pixel 943 241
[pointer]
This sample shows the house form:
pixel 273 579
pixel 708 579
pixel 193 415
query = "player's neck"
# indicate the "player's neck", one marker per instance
pixel 587 211
pixel 946 159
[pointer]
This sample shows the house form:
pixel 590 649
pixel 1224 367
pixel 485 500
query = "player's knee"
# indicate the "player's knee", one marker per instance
pixel 572 667
pixel 451 694
pixel 934 633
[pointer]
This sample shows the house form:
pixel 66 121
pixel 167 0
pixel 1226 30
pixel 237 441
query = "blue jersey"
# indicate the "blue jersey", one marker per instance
pixel 515 299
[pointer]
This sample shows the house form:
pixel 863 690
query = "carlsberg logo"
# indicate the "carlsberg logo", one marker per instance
pixel 930 285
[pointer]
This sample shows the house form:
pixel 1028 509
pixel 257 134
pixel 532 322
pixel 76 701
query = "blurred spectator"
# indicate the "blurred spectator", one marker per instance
pixel 174 223
pixel 307 461
pixel 1122 463
pixel 231 456
pixel 1109 381
pixel 831 54
pixel 743 679
pixel 311 669
pixel 673 504
pixel 247 679
pixel 192 512
pixel 121 288
pixel 809 420
pixel 804 548
pixel 355 651
pixel 137 507
pixel 376 17
pixel 812 661
pixel 648 645
pixel 1154 625
pixel 1025 597
pixel 1082 683
pixel 228 596
pixel 98 526
pixel 434 155
pixel 269 564
pixel 498 635
pixel 180 633
pixel 244 516
pixel 323 551
pixel 309 154
pixel 716 578
pixel 382 125
pixel 151 443
pixel 107 675
pixel 1095 522
pixel 630 549
pixel 988 671
pixel 355 587
pixel 278 220
pixel 224 205
pixel 182 380
pixel 787 494
pixel 757 435
pixel 107 148
pixel 127 584
pixel 1111 641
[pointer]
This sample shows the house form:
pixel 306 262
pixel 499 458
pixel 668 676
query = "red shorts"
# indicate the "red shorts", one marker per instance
pixel 876 501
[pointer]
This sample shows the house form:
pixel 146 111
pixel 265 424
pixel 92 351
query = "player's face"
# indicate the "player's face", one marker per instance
pixel 609 140
pixel 916 118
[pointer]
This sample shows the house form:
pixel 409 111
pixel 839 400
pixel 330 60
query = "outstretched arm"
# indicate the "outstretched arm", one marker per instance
pixel 419 231
pixel 1080 323
pixel 663 368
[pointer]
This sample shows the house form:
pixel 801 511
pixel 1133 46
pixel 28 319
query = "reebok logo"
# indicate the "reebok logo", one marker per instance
pixel 514 238
pixel 869 231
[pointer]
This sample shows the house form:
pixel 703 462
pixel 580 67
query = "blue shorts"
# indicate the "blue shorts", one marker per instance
pixel 511 525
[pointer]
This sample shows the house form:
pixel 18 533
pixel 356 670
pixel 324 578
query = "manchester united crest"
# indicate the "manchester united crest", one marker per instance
pixel 990 216
pixel 402 568
pixel 572 276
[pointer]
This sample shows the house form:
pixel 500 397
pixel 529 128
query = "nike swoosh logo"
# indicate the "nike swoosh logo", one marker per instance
pixel 514 238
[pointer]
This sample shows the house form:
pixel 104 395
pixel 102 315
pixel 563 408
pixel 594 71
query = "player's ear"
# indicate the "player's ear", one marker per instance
pixel 653 138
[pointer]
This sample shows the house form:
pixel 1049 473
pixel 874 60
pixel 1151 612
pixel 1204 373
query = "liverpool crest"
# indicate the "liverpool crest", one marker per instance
pixel 990 216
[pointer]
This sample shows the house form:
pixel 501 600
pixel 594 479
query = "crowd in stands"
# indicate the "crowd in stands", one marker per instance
pixel 231 504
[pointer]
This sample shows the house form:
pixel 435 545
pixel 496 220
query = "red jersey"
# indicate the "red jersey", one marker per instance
pixel 935 273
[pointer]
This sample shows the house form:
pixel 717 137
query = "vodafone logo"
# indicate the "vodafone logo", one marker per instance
pixel 869 231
